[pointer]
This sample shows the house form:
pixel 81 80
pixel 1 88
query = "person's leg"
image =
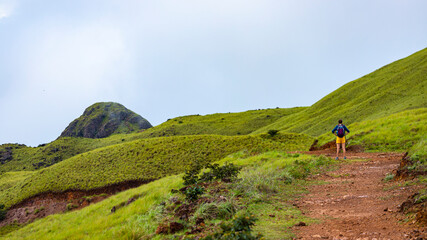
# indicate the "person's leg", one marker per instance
pixel 338 149
pixel 343 149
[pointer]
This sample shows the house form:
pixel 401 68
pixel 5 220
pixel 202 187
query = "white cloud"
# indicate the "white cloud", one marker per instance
pixel 6 8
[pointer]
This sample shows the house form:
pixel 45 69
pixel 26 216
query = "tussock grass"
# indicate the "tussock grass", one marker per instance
pixel 418 157
pixel 393 88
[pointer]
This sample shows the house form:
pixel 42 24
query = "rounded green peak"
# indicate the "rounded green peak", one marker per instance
pixel 104 119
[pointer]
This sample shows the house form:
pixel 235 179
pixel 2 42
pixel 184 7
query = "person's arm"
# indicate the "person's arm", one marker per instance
pixel 333 131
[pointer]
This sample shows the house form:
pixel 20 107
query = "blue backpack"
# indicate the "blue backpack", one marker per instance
pixel 340 131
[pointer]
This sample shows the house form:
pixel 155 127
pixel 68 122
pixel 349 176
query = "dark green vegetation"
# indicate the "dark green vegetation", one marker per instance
pixel 393 88
pixel 143 160
pixel 104 119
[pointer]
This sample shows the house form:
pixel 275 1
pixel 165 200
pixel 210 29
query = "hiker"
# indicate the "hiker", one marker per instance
pixel 340 133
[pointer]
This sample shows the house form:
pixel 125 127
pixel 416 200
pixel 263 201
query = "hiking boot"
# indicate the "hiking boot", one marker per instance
pixel 345 158
pixel 336 158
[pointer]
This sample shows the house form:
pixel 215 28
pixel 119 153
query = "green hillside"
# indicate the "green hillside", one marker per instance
pixel 15 157
pixel 144 160
pixel 393 88
pixel 229 124
pixel 396 132
pixel 139 220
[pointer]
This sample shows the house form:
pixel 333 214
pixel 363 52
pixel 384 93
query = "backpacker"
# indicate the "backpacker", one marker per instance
pixel 340 131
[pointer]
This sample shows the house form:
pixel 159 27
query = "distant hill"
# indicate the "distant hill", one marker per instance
pixel 393 88
pixel 104 119
pixel 229 124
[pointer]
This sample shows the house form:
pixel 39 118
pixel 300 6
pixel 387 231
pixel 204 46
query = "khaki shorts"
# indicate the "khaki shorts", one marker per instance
pixel 340 140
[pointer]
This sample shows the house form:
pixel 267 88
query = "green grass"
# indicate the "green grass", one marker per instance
pixel 32 158
pixel 229 124
pixel 396 132
pixel 418 157
pixel 9 179
pixel 139 219
pixel 144 160
pixel 393 88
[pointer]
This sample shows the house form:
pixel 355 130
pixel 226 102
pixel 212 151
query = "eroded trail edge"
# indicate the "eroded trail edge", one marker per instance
pixel 50 203
pixel 354 201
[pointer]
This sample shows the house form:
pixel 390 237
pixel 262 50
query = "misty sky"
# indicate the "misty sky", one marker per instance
pixel 164 59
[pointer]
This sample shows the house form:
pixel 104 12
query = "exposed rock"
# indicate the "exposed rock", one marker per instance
pixel 104 119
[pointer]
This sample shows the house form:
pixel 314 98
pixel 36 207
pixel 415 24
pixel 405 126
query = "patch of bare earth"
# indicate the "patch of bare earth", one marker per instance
pixel 46 204
pixel 355 202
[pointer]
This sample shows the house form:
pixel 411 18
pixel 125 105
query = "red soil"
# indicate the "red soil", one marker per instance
pixel 355 202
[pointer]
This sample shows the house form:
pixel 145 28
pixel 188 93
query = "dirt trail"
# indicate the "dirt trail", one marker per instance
pixel 355 202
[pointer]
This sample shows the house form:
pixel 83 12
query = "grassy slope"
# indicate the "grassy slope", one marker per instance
pixel 396 87
pixel 9 179
pixel 29 158
pixel 230 124
pixel 139 219
pixel 396 132
pixel 144 159
pixel 32 158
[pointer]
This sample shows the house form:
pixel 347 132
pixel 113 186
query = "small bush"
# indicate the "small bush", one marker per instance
pixel 273 132
pixel 193 193
pixel 227 172
pixel 237 229
pixel 3 212
pixel 191 176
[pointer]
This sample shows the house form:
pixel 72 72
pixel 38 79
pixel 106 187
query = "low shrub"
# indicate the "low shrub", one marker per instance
pixel 193 193
pixel 273 132
pixel 228 172
pixel 3 212
pixel 237 229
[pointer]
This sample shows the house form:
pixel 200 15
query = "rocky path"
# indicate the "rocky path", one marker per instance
pixel 355 202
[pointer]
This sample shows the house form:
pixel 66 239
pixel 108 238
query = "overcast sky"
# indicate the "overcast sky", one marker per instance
pixel 164 59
